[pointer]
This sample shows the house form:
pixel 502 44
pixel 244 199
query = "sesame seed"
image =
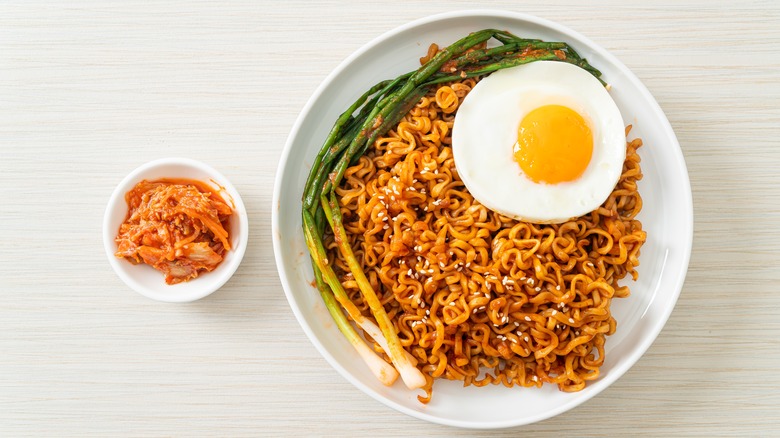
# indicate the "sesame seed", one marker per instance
pixel 538 289
pixel 528 318
pixel 409 273
pixel 517 324
pixel 571 320
pixel 554 312
pixel 558 287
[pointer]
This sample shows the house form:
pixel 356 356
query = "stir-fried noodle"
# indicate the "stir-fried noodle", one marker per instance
pixel 476 296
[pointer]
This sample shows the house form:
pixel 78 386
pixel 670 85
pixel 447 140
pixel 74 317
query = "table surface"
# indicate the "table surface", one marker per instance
pixel 91 90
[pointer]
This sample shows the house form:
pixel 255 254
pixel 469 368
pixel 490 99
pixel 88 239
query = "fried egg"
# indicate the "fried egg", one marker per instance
pixel 542 142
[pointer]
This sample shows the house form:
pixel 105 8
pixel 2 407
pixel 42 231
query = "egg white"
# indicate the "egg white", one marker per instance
pixel 485 132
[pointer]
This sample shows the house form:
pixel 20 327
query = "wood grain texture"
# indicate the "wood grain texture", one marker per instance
pixel 89 90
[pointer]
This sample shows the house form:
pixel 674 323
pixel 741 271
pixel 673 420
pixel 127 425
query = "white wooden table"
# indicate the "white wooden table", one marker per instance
pixel 90 90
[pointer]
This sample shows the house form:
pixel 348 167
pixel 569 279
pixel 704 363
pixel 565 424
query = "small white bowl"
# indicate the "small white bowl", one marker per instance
pixel 148 281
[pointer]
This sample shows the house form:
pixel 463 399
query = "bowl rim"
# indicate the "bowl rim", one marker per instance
pixel 222 273
pixel 674 148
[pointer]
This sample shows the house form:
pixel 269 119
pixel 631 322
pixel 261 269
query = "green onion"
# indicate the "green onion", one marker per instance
pixel 370 116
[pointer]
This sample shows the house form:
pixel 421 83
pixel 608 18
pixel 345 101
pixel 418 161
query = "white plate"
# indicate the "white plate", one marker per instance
pixel 667 217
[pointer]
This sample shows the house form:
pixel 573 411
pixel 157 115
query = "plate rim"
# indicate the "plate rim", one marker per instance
pixel 678 281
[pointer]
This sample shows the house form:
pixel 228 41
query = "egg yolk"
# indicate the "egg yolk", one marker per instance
pixel 554 144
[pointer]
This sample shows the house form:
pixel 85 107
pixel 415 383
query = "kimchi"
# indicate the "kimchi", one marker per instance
pixel 177 226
